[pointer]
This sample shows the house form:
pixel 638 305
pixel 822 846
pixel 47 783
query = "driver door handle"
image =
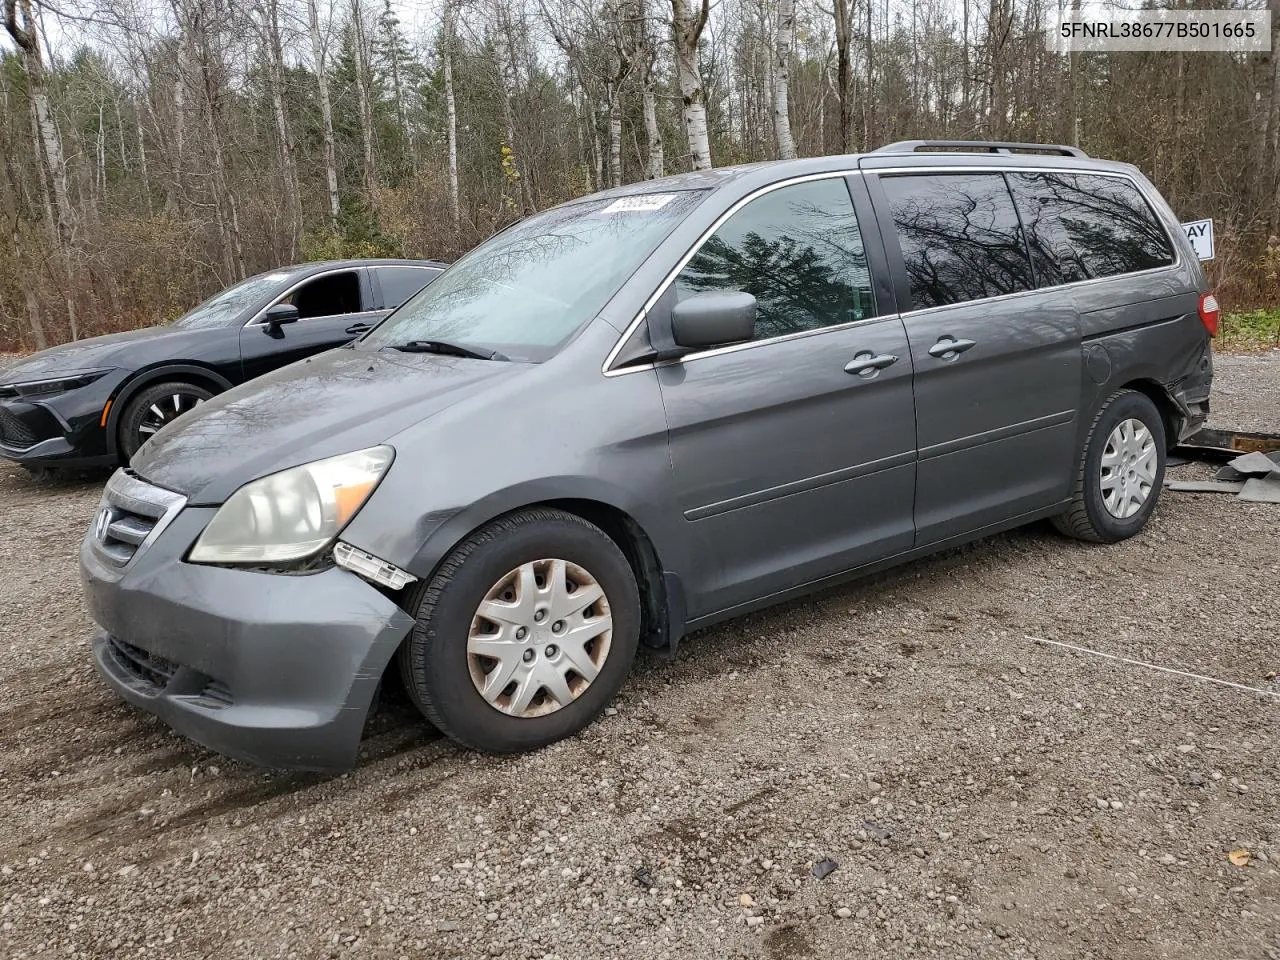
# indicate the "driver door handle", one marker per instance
pixel 948 348
pixel 866 364
pixel 359 328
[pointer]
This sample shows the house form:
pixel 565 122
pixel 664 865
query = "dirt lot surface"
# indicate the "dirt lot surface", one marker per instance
pixel 983 795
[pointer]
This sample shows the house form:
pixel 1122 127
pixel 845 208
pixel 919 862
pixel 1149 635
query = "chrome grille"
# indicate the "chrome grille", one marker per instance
pixel 131 514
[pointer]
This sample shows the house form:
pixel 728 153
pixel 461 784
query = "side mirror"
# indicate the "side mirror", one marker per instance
pixel 278 315
pixel 713 319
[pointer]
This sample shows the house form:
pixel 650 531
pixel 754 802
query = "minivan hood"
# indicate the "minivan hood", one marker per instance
pixel 96 353
pixel 334 403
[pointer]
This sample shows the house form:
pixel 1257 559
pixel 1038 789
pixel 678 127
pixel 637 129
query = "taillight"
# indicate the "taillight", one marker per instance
pixel 1209 312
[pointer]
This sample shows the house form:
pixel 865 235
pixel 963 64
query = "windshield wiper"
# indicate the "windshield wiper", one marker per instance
pixel 448 349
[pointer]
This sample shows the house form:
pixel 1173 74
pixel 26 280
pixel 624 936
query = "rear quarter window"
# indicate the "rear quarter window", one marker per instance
pixel 400 283
pixel 1084 226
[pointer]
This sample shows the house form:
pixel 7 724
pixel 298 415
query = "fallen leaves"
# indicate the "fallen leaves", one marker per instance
pixel 1240 857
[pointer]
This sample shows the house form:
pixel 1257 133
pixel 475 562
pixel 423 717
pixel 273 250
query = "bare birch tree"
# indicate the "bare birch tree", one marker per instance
pixel 326 110
pixel 686 30
pixel 364 99
pixel 781 78
pixel 448 40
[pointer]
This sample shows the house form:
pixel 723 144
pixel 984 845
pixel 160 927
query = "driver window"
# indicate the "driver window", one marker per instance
pixel 328 296
pixel 798 251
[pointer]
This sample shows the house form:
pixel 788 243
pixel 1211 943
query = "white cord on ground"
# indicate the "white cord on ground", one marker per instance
pixel 1152 666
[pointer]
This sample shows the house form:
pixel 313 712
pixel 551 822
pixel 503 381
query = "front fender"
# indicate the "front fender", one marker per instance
pixel 441 531
pixel 155 374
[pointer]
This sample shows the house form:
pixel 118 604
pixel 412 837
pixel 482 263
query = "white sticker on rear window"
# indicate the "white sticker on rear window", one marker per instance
pixel 641 204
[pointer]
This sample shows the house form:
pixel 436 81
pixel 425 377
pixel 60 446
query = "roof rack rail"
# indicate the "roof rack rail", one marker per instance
pixel 989 146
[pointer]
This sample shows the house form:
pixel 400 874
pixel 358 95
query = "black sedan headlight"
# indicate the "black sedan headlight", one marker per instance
pixel 47 387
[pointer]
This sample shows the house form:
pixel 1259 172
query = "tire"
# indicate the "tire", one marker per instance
pixel 140 419
pixel 442 672
pixel 1100 509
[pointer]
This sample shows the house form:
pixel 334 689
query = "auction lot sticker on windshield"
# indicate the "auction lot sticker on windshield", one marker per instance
pixel 641 204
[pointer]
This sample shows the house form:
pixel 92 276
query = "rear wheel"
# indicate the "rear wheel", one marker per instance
pixel 524 634
pixel 155 407
pixel 1120 473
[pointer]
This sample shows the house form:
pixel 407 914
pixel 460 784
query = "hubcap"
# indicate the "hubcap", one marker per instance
pixel 539 638
pixel 164 411
pixel 1129 465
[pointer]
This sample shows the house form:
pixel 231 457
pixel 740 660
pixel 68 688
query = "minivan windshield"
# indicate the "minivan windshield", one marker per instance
pixel 223 307
pixel 524 292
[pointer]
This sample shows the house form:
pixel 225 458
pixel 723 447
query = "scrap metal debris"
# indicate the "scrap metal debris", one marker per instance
pixel 1219 444
pixel 1254 477
pixel 824 868
pixel 1206 486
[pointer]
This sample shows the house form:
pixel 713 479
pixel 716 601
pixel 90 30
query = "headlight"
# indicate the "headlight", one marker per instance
pixel 52 385
pixel 294 513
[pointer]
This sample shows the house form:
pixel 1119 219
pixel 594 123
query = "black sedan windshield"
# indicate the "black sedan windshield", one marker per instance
pixel 525 292
pixel 222 308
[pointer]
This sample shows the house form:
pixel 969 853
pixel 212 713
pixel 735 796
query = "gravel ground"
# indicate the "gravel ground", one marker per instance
pixel 982 795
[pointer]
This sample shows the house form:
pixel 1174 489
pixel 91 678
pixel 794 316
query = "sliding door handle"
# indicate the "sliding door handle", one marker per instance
pixel 948 348
pixel 867 364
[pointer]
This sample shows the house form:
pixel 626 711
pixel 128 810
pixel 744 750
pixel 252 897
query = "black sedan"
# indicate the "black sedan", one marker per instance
pixel 96 401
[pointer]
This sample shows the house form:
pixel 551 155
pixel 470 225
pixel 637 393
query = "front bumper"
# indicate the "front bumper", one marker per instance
pixel 42 434
pixel 275 669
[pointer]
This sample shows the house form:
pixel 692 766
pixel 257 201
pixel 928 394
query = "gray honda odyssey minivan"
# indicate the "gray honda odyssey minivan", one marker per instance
pixel 642 412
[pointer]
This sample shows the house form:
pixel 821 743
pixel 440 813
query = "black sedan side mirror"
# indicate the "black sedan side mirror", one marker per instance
pixel 277 315
pixel 713 319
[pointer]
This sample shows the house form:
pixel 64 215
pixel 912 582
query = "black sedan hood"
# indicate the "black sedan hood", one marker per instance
pixel 96 353
pixel 334 403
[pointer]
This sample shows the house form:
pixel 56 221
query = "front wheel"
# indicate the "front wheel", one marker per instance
pixel 1120 472
pixel 156 407
pixel 524 634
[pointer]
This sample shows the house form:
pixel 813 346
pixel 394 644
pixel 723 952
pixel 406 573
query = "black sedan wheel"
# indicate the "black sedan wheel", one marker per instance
pixel 153 408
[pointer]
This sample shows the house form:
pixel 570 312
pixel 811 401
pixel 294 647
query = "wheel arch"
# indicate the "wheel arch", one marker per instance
pixel 661 622
pixel 662 596
pixel 1170 413
pixel 187 372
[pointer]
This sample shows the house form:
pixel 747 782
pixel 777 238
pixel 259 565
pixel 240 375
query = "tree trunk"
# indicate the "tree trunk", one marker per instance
pixel 652 132
pixel 999 19
pixel 397 89
pixel 285 145
pixel 965 70
pixel 142 157
pixel 451 115
pixel 686 29
pixel 844 57
pixel 508 79
pixel 615 135
pixel 48 146
pixel 225 208
pixel 363 96
pixel 869 90
pixel 326 112
pixel 781 79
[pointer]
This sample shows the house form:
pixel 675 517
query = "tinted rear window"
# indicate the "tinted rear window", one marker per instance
pixel 960 237
pixel 1082 226
pixel 401 283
